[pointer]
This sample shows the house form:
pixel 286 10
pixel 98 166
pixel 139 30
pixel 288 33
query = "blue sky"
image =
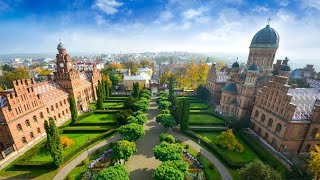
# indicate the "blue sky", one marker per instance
pixel 113 26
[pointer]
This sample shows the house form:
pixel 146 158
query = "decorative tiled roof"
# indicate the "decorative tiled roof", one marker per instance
pixel 285 68
pixel 231 88
pixel 48 91
pixel 265 38
pixel 304 99
pixel 235 65
pixel 222 76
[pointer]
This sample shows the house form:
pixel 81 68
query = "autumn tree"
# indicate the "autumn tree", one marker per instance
pixel 15 74
pixel 227 140
pixel 123 150
pixel 132 65
pixel 314 163
pixel 258 170
pixel 168 152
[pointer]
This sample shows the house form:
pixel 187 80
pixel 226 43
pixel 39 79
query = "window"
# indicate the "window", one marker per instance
pixel 314 132
pixel 266 136
pixel 256 114
pixel 67 111
pixel 55 118
pixel 56 105
pixel 270 122
pixel 64 101
pixel 59 115
pixel 60 103
pixel 62 113
pixel 24 140
pixel 38 130
pixel 28 123
pixel 52 108
pixel 274 142
pixel 263 117
pixel 278 128
pixel 35 119
pixel 19 127
pixel 307 148
pixel 48 110
pixel 31 135
pixel 41 115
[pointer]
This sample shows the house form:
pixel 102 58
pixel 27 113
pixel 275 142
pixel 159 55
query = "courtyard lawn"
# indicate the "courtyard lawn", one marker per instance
pixel 205 119
pixel 79 140
pixel 199 105
pixel 113 104
pixel 88 128
pixel 246 156
pixel 99 118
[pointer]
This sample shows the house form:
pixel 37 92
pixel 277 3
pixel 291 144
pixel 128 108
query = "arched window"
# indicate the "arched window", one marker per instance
pixel 31 135
pixel 307 148
pixel 314 132
pixel 60 103
pixel 270 122
pixel 48 110
pixel 256 113
pixel 24 140
pixel 52 108
pixel 41 115
pixel 56 105
pixel 253 125
pixel 28 123
pixel 38 130
pixel 64 101
pixel 274 142
pixel 266 136
pixel 35 119
pixel 278 128
pixel 19 127
pixel 263 117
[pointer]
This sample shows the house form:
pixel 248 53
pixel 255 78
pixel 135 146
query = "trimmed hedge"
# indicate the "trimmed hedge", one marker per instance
pixel 107 111
pixel 94 124
pixel 215 150
pixel 34 164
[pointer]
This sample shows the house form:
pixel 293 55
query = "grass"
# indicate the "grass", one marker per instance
pixel 88 128
pixel 246 156
pixel 212 173
pixel 79 139
pixel 199 105
pixel 107 105
pixel 205 119
pixel 98 118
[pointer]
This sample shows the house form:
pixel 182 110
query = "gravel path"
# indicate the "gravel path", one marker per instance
pixel 143 163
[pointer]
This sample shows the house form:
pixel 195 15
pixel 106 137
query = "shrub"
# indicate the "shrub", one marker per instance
pixel 168 152
pixel 165 111
pixel 227 140
pixel 116 172
pixel 258 170
pixel 164 105
pixel 167 120
pixel 186 146
pixel 167 138
pixel 85 161
pixel 132 132
pixel 66 142
pixel 121 117
pixel 168 170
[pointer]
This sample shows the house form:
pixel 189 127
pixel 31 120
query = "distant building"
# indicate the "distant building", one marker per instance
pixel 87 66
pixel 143 79
pixel 145 70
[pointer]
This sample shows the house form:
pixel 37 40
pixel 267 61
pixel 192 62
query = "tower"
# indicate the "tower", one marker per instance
pixel 263 48
pixel 64 62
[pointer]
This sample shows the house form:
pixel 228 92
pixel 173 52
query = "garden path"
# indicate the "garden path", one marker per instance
pixel 65 170
pixel 143 163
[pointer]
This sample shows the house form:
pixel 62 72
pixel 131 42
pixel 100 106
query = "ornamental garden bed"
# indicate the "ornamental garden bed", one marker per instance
pixel 99 118
pixel 205 119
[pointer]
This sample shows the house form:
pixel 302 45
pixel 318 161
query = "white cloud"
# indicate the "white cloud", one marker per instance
pixel 284 3
pixel 311 4
pixel 194 13
pixel 260 9
pixel 108 6
pixel 166 15
pixel 100 20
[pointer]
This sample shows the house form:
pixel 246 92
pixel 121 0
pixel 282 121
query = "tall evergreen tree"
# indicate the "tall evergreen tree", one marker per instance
pixel 53 142
pixel 106 88
pixel 99 103
pixel 135 90
pixel 73 109
pixel 185 111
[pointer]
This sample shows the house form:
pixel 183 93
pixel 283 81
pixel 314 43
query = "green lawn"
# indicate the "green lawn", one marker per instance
pixel 245 157
pixel 205 119
pixel 113 105
pixel 199 105
pixel 89 128
pixel 98 118
pixel 79 139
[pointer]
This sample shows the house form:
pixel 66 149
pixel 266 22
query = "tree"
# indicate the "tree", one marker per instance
pixel 128 103
pixel 167 138
pixel 123 150
pixel 73 110
pixel 184 111
pixel 116 172
pixel 141 105
pixel 167 120
pixel 53 142
pixel 171 170
pixel 122 117
pixel 227 140
pixel 7 67
pixel 202 92
pixel 132 132
pixel 139 119
pixel 164 105
pixel 314 163
pixel 100 92
pixel 16 74
pixel 135 90
pixel 66 142
pixel 258 170
pixel 167 152
pixel 132 65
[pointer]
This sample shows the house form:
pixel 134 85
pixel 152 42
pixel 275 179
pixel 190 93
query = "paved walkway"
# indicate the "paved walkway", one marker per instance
pixel 220 167
pixel 143 163
pixel 72 164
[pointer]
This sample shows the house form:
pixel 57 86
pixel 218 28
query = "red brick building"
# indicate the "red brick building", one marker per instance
pixel 24 108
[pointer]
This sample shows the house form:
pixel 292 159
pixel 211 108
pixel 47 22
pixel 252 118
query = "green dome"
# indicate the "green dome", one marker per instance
pixel 231 88
pixel 253 67
pixel 235 65
pixel 285 68
pixel 265 38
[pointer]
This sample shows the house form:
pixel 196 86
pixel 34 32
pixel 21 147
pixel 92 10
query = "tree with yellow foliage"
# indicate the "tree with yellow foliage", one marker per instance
pixel 227 140
pixel 66 142
pixel 314 163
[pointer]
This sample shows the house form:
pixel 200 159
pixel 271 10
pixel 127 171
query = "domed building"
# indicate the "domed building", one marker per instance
pixel 263 48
